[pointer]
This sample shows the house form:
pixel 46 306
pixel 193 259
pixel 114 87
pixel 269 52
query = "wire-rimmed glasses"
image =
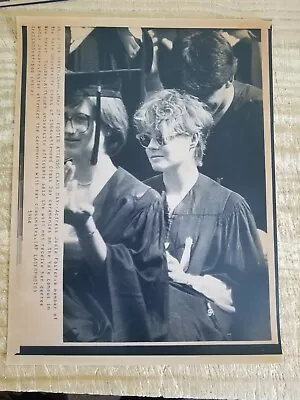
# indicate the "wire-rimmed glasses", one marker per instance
pixel 145 139
pixel 80 122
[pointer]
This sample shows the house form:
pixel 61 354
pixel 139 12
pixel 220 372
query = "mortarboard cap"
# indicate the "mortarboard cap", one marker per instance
pixel 106 83
pixel 110 81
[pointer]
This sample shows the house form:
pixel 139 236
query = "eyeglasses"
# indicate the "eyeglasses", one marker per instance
pixel 80 122
pixel 145 139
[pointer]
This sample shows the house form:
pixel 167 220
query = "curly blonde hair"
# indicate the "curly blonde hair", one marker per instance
pixel 186 113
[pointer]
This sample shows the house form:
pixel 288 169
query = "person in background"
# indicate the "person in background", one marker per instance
pixel 115 274
pixel 205 66
pixel 213 249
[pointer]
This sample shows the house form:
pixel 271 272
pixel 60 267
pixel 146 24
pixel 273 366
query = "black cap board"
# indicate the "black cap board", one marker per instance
pixel 105 83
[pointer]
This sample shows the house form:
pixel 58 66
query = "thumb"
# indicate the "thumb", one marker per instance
pixel 186 255
pixel 169 257
pixel 72 189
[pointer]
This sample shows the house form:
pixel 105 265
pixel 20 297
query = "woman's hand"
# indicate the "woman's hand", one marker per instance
pixel 158 39
pixel 76 213
pixel 80 216
pixel 177 269
pixel 214 289
pixel 211 287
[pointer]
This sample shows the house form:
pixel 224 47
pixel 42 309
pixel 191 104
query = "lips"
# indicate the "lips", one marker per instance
pixel 72 140
pixel 155 157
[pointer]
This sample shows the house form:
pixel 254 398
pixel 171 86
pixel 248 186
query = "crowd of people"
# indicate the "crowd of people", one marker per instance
pixel 181 256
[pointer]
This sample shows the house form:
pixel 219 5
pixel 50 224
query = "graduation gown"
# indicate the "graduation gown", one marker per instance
pixel 127 298
pixel 234 153
pixel 225 245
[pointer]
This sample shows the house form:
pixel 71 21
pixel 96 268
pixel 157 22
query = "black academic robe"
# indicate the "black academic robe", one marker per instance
pixel 235 154
pixel 225 246
pixel 127 298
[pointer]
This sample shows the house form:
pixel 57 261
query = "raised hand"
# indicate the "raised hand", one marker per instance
pixel 75 213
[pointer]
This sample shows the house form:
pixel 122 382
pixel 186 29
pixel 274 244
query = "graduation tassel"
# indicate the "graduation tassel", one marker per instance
pixel 94 158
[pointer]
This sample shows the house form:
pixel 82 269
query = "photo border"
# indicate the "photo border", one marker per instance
pixel 268 351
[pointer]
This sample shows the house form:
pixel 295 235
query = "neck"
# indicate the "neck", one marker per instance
pixel 94 176
pixel 181 178
pixel 228 98
pixel 83 170
pixel 104 170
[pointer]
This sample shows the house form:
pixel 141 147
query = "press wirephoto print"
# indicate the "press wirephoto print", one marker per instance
pixel 144 215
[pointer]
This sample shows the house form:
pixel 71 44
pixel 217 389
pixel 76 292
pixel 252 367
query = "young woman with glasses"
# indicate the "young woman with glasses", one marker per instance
pixel 215 259
pixel 115 275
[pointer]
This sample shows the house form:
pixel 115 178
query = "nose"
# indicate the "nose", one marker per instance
pixel 69 130
pixel 153 145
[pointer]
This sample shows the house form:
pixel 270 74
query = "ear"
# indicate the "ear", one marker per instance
pixel 194 141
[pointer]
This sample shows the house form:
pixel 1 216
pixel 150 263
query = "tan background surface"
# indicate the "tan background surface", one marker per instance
pixel 241 382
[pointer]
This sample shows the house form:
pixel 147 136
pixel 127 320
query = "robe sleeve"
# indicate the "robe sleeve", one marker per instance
pixel 247 273
pixel 254 187
pixel 137 276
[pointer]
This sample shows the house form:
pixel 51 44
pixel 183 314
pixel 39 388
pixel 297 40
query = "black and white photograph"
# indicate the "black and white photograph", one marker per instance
pixel 166 201
pixel 165 187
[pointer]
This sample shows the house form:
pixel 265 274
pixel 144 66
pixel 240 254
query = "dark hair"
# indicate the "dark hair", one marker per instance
pixel 114 118
pixel 188 115
pixel 204 62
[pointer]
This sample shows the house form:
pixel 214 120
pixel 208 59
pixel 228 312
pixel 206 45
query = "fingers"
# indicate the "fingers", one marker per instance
pixel 162 36
pixel 71 193
pixel 173 264
pixel 69 172
pixel 217 290
pixel 168 43
pixel 157 40
pixel 128 37
pixel 186 255
pixel 154 39
pixel 153 36
pixel 170 258
pixel 179 277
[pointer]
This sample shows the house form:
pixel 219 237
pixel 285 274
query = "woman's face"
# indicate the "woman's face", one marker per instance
pixel 79 129
pixel 176 151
